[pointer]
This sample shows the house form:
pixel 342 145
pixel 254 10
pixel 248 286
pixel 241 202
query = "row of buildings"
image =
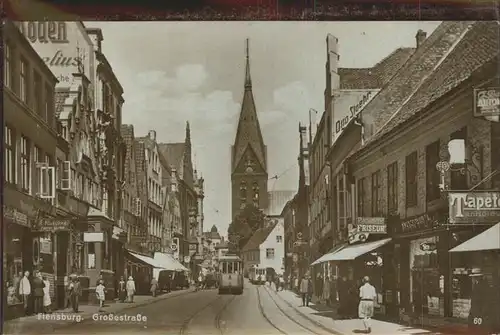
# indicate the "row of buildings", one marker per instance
pixel 82 192
pixel 400 177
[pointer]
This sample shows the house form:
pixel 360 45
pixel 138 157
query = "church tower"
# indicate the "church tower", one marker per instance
pixel 248 154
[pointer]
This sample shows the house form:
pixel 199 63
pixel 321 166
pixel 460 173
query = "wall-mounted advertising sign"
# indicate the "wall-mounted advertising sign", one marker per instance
pixel 365 226
pixel 474 207
pixel 347 106
pixel 487 102
pixel 65 47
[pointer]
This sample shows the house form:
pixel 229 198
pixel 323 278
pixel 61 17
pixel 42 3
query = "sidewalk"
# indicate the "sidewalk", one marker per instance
pixel 66 317
pixel 326 317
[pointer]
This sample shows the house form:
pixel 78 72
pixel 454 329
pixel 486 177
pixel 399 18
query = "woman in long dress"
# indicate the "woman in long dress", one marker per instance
pixel 130 289
pixel 47 301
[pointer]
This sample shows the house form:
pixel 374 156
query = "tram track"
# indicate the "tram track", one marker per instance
pixel 316 323
pixel 261 309
pixel 184 330
pixel 289 317
pixel 218 324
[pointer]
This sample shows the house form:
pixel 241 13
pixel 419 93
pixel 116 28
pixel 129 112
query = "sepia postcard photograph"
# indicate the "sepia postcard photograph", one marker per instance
pixel 259 172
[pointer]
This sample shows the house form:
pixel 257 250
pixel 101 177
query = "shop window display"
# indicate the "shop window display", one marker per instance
pixel 13 267
pixel 426 280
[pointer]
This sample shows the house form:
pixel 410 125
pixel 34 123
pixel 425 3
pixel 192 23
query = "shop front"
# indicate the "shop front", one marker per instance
pixel 140 268
pixel 475 257
pixel 17 257
pixel 421 265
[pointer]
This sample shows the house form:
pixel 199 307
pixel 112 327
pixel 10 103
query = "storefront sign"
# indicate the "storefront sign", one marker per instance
pixel 428 246
pixel 14 215
pixel 474 207
pixel 52 225
pixel 487 101
pixel 422 222
pixel 93 237
pixel 46 246
pixel 364 227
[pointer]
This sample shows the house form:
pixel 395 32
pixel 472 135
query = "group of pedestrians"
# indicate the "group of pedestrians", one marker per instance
pixel 356 299
pixel 32 291
pixel 126 290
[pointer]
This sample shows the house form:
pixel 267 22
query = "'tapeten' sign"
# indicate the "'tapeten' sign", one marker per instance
pixel 474 207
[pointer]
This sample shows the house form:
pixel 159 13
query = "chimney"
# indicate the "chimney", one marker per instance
pixel 152 135
pixel 420 37
pixel 96 37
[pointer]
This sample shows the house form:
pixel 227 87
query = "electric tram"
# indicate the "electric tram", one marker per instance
pixel 230 275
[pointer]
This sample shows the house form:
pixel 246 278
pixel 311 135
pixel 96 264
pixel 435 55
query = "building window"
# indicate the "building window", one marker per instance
pixel 270 253
pixel 37 88
pixel 279 238
pixel 49 105
pixel 361 197
pixel 7 79
pixel 411 179
pixel 23 81
pixel 432 174
pixel 376 194
pixel 10 154
pixel 392 188
pixel 458 179
pixel 25 164
pixel 37 154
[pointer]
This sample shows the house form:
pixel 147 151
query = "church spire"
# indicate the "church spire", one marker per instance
pixel 248 140
pixel 248 78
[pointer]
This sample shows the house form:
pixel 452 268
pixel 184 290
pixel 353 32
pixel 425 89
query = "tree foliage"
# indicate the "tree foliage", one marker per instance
pixel 244 225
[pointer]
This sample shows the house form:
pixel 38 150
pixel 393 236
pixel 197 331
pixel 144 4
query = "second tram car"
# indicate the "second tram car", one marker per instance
pixel 257 275
pixel 230 275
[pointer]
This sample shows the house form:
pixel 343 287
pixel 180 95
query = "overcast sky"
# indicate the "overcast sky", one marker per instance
pixel 177 71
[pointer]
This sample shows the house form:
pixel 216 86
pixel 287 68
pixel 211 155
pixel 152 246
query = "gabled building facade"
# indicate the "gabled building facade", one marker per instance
pixel 249 176
pixel 266 248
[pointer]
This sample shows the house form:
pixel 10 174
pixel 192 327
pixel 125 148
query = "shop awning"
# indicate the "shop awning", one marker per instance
pixel 487 240
pixel 354 251
pixel 327 257
pixel 148 260
pixel 168 262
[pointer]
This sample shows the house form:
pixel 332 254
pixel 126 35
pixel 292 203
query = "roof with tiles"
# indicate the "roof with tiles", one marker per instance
pixel 61 95
pixel 376 76
pixel 174 152
pixel 415 71
pixel 258 238
pixel 477 47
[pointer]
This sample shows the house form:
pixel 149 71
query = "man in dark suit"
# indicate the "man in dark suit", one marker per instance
pixel 75 292
pixel 38 286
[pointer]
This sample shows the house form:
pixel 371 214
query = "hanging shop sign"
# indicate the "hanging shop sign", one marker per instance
pixel 365 226
pixel 487 102
pixel 474 207
pixel 14 215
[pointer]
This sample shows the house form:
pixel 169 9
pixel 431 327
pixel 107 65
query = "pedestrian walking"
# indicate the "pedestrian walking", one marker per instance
pixel 16 281
pixel 282 283
pixel 367 295
pixel 130 289
pixel 306 290
pixel 200 282
pixel 344 289
pixel 100 292
pixel 67 293
pixel 47 301
pixel 122 291
pixel 25 291
pixel 296 284
pixel 75 292
pixel 154 287
pixel 38 286
pixel 326 290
